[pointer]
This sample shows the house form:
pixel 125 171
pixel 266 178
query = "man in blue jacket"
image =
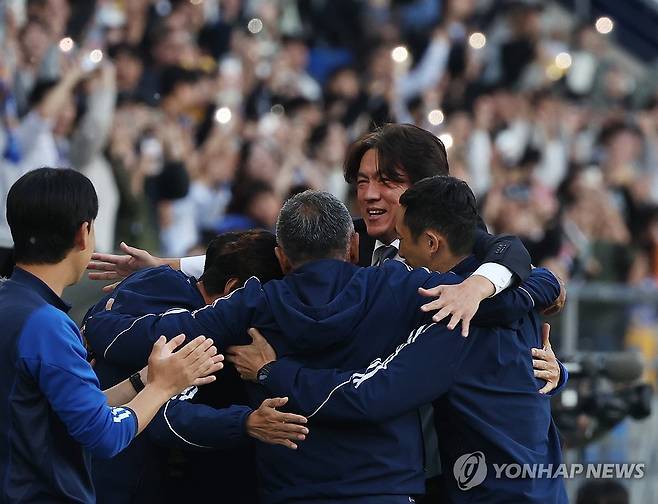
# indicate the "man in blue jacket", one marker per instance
pixel 484 388
pixel 53 415
pixel 334 314
pixel 137 474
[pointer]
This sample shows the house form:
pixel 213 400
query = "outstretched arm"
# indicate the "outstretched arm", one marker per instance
pixel 113 334
pixel 116 267
pixel 51 354
pixel 310 387
pixel 385 389
pixel 186 425
pixel 541 290
pixel 537 292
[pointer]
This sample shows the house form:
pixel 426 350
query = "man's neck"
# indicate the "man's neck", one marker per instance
pixel 56 276
pixel 444 264
pixel 336 257
pixel 387 239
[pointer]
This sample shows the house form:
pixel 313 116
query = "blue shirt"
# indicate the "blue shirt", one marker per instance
pixel 53 415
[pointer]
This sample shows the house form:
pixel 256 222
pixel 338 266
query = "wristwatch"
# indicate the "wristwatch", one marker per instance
pixel 136 382
pixel 264 373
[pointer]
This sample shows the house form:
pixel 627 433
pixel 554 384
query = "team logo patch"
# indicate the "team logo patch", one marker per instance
pixel 119 414
pixel 501 248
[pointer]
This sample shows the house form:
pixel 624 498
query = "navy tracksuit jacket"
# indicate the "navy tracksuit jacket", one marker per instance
pixel 328 313
pixel 146 472
pixel 53 415
pixel 484 395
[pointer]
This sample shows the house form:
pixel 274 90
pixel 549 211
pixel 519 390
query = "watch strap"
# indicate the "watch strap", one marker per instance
pixel 136 382
pixel 264 373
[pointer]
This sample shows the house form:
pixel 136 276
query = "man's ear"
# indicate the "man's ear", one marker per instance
pixel 435 241
pixel 354 248
pixel 231 285
pixel 82 239
pixel 204 293
pixel 286 267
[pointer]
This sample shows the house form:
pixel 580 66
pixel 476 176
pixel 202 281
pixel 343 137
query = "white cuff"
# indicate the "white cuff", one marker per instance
pixel 497 274
pixel 193 266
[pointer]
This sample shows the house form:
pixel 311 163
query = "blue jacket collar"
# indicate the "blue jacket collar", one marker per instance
pixel 322 264
pixel 28 280
pixel 466 266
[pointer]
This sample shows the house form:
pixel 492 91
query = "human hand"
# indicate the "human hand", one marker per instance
pixel 248 359
pixel 194 364
pixel 72 70
pixel 484 113
pixel 117 267
pixel 459 301
pixel 647 123
pixel 545 364
pixel 558 304
pixel 274 427
pixel 106 75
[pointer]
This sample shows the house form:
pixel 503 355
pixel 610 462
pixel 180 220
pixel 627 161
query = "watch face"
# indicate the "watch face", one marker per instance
pixel 263 373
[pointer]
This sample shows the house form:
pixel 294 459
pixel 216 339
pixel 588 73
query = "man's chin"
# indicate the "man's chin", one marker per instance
pixel 378 231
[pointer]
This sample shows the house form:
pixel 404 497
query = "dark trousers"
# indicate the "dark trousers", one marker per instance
pixel 6 262
pixel 434 491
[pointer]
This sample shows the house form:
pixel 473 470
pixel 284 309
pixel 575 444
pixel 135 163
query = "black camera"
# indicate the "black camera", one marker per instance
pixel 602 391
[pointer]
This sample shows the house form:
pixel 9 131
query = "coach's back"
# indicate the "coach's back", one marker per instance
pixel 328 314
pixel 332 314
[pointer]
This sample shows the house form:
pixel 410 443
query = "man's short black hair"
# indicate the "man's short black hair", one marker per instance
pixel 45 209
pixel 240 255
pixel 444 204
pixel 400 148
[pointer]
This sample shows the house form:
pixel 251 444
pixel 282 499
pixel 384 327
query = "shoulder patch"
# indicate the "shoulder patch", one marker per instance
pixel 501 248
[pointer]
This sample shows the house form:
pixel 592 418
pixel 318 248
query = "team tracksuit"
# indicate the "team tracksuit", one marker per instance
pixel 147 471
pixel 53 416
pixel 327 314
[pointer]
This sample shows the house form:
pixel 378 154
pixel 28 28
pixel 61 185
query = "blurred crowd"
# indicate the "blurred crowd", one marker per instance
pixel 194 117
